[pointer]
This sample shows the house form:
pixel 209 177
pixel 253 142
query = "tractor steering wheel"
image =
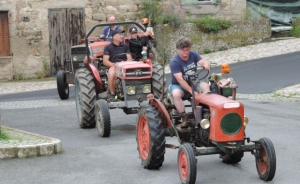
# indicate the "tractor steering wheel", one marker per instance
pixel 119 57
pixel 196 74
pixel 101 39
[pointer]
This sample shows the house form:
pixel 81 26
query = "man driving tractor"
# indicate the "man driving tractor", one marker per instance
pixel 116 51
pixel 184 60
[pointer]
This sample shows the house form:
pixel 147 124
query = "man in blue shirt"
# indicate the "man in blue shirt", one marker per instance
pixel 181 62
pixel 107 30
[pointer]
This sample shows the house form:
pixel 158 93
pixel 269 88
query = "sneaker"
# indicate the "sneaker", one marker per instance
pixel 112 98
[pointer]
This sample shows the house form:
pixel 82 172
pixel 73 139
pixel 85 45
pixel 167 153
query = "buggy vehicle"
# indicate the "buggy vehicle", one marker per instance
pixel 135 80
pixel 216 126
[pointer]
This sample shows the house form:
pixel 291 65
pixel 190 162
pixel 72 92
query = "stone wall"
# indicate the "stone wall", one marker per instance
pixel 241 33
pixel 29 34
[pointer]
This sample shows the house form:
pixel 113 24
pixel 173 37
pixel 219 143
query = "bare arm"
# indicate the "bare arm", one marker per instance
pixel 106 61
pixel 129 57
pixel 204 64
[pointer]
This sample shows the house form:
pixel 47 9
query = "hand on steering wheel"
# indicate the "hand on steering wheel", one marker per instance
pixel 196 73
pixel 101 39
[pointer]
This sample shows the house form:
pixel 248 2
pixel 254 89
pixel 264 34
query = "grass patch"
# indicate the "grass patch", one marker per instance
pixel 295 31
pixel 20 76
pixel 45 72
pixel 4 136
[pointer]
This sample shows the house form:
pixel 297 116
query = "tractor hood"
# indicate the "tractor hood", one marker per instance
pixel 98 48
pixel 226 117
pixel 133 70
pixel 213 100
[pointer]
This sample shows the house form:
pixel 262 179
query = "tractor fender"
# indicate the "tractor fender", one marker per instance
pixel 163 113
pixel 97 78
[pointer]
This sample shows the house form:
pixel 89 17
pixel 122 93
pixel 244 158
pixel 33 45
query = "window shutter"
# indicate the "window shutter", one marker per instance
pixel 4 36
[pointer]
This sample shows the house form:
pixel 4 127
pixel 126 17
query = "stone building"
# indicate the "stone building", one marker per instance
pixel 37 33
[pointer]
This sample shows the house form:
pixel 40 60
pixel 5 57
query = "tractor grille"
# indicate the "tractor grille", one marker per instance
pixel 231 123
pixel 142 72
pixel 79 53
pixel 138 89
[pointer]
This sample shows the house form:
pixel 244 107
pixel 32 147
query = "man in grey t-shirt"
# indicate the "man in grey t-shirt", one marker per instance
pixel 181 62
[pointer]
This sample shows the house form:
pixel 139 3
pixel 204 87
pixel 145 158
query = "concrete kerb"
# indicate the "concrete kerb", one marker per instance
pixel 44 146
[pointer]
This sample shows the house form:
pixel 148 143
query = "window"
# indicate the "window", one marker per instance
pixel 4 35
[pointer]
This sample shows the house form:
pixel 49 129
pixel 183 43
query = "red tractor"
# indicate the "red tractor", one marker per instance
pixel 135 81
pixel 216 126
pixel 78 52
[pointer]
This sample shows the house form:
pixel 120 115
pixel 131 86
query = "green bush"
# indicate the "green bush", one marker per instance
pixel 151 11
pixel 207 51
pixel 170 17
pixel 211 24
pixel 4 136
pixel 295 31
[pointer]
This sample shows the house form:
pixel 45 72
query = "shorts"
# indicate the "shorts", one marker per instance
pixel 172 87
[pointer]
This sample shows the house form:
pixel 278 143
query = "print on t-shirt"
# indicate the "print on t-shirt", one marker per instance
pixel 191 72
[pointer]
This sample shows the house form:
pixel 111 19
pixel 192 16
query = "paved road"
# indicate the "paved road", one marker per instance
pixel 88 158
pixel 253 77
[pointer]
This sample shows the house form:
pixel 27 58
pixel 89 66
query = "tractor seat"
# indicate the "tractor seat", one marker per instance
pixel 186 97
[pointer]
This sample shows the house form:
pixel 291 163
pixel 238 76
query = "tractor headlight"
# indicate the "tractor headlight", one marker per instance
pixel 130 90
pixel 75 58
pixel 205 124
pixel 146 88
pixel 246 120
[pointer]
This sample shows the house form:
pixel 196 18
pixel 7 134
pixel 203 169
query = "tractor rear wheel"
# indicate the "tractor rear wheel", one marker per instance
pixel 150 138
pixel 266 160
pixel 62 86
pixel 234 158
pixel 187 166
pixel 85 97
pixel 158 81
pixel 102 118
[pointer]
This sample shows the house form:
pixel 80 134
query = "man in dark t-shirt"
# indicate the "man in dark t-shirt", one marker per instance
pixel 115 52
pixel 180 63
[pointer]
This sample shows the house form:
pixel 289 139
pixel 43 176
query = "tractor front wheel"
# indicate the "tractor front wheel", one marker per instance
pixel 62 86
pixel 266 160
pixel 187 166
pixel 102 118
pixel 85 97
pixel 150 138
